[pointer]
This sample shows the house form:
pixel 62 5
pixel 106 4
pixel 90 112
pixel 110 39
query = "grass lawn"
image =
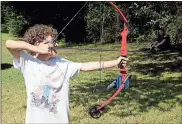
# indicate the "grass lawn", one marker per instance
pixel 155 94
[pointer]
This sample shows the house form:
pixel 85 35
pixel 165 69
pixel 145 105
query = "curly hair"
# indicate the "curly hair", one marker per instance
pixel 38 33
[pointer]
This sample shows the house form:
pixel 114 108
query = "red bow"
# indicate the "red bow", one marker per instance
pixel 96 110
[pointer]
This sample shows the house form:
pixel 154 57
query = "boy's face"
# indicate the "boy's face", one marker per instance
pixel 48 42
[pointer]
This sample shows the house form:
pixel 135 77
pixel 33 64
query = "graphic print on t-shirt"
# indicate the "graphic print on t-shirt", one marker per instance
pixel 44 97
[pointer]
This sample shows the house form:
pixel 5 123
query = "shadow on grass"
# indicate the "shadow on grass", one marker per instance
pixel 5 66
pixel 143 95
pixel 175 48
pixel 157 63
pixel 158 68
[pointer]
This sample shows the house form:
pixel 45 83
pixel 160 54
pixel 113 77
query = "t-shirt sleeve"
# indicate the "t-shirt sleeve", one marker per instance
pixel 70 68
pixel 20 64
pixel 73 68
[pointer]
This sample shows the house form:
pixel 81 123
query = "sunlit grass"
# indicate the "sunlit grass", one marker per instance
pixel 155 95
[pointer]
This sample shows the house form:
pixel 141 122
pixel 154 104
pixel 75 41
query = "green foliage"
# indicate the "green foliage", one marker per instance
pixel 140 38
pixel 4 28
pixel 147 17
pixel 101 22
pixel 13 22
pixel 144 19
pixel 175 29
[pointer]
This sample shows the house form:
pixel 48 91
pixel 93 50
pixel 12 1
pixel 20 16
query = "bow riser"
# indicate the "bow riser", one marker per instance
pixel 124 52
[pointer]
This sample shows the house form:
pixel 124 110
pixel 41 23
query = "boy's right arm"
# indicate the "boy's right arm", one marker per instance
pixel 16 46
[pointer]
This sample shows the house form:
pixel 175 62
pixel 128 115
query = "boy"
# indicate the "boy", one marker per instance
pixel 47 75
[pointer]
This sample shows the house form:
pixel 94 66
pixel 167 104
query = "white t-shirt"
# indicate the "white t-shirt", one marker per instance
pixel 47 87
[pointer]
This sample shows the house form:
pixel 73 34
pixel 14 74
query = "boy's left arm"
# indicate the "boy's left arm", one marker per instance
pixel 91 66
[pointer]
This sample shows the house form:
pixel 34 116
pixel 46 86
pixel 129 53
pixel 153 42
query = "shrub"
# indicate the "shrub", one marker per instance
pixel 15 23
pixel 12 21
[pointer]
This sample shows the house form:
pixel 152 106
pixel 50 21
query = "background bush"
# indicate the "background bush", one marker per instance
pixel 12 21
pixel 98 21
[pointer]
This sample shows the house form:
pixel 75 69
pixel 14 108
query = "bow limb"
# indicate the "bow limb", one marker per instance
pixel 119 11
